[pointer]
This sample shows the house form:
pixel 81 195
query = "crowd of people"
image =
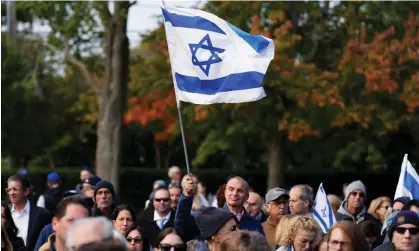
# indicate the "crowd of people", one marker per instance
pixel 182 215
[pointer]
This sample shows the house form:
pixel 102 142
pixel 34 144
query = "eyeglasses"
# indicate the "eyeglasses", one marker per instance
pixel 162 199
pixel 412 231
pixel 135 240
pixel 385 207
pixel 358 193
pixel 176 247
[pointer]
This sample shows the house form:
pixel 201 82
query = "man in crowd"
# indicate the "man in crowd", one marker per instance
pixel 104 196
pixel 301 199
pixel 400 202
pixel 90 230
pixel 85 173
pixel 277 204
pixel 175 175
pixel 157 217
pixel 254 207
pixel 29 218
pixel 403 233
pixel 175 192
pixel 353 207
pixel 68 210
pixel 50 199
pixel 236 194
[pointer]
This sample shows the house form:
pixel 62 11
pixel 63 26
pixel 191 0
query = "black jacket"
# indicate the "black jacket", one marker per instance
pixel 146 221
pixel 52 197
pixel 38 218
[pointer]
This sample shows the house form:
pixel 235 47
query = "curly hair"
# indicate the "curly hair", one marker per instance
pixel 305 223
pixel 283 226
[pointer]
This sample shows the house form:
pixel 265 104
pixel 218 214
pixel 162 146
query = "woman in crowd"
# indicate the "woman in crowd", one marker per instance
pixel 283 226
pixel 346 236
pixel 379 208
pixel 244 241
pixel 220 198
pixel 168 239
pixel 135 239
pixel 123 218
pixel 302 235
pixel 10 228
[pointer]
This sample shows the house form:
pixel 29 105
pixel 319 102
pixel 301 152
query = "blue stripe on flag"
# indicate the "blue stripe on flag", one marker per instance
pixel 232 82
pixel 330 213
pixel 257 42
pixel 411 185
pixel 320 220
pixel 194 22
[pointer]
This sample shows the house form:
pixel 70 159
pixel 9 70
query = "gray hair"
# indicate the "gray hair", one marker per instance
pixel 306 192
pixel 194 245
pixel 106 227
pixel 243 240
pixel 172 170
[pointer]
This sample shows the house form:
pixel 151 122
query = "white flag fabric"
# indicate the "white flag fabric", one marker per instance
pixel 322 211
pixel 213 61
pixel 408 181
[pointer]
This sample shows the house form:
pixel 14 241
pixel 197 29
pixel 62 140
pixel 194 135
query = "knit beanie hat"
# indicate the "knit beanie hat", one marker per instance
pixel 403 217
pixel 210 219
pixel 403 200
pixel 356 185
pixel 105 184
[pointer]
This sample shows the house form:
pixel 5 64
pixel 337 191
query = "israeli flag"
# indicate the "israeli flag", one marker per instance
pixel 212 60
pixel 322 211
pixel 408 181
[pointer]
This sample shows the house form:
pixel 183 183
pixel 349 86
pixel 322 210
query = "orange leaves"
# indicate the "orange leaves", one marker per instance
pixel 410 93
pixel 297 129
pixel 157 106
pixel 356 115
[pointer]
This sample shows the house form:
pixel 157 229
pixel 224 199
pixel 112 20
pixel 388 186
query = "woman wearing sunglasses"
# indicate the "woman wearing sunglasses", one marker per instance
pixel 379 208
pixel 169 240
pixel 135 239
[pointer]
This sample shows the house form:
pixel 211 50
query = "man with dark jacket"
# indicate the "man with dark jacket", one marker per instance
pixel 157 216
pixel 29 218
pixel 104 196
pixel 50 199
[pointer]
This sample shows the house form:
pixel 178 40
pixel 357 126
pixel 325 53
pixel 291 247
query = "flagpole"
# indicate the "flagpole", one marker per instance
pixel 179 111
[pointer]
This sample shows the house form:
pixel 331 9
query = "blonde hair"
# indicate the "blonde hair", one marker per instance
pixel 375 204
pixel 284 225
pixel 305 223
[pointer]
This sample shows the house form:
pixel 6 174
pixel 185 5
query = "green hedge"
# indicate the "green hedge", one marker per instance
pixel 136 183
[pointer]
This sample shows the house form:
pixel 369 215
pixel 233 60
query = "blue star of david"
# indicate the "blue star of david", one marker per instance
pixel 324 212
pixel 205 44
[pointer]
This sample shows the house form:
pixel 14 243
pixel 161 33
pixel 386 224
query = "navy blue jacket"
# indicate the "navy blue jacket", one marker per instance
pixel 43 236
pixel 248 222
pixel 185 223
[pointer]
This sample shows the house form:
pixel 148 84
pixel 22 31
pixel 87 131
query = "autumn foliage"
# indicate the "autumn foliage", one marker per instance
pixel 157 106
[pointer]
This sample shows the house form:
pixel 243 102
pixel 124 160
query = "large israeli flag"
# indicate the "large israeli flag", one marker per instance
pixel 322 211
pixel 212 60
pixel 408 181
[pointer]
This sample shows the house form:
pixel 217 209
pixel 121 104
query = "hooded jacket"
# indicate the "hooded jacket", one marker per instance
pixel 344 215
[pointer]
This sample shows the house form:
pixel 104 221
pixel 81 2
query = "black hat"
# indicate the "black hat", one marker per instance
pixel 104 184
pixel 403 199
pixel 403 217
pixel 210 219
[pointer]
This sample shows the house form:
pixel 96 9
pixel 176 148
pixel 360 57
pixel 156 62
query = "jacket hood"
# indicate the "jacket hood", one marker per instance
pixel 343 209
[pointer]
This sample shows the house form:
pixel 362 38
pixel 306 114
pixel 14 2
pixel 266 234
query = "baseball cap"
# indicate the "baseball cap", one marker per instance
pixel 23 172
pixel 275 193
pixel 53 177
pixel 92 180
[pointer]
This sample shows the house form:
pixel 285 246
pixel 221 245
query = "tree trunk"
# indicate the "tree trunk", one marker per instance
pixel 14 161
pixel 237 157
pixel 276 165
pixel 157 148
pixel 112 96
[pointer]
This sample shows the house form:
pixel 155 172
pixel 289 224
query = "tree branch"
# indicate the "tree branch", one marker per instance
pixel 131 4
pixel 77 63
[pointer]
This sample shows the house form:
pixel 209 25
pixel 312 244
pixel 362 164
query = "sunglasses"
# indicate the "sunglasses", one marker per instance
pixel 162 199
pixel 168 247
pixel 360 194
pixel 412 231
pixel 136 240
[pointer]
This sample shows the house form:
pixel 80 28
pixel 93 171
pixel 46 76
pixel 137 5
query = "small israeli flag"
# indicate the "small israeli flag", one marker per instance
pixel 212 60
pixel 408 181
pixel 322 211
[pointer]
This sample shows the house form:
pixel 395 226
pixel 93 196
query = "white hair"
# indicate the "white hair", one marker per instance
pixel 172 170
pixel 105 226
pixel 119 237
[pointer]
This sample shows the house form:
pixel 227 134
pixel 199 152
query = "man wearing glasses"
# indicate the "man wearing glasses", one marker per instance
pixel 277 205
pixel 157 217
pixel 353 207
